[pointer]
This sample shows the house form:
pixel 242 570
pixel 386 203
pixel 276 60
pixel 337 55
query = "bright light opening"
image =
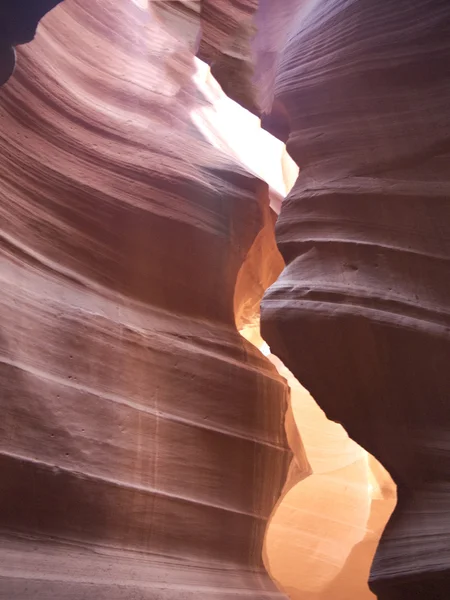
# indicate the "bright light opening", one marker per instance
pixel 143 4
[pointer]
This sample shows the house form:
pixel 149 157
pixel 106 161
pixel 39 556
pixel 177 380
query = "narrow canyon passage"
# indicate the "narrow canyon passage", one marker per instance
pixel 323 534
pixel 153 445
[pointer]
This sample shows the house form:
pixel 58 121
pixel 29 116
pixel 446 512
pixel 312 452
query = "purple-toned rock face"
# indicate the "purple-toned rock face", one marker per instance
pixel 273 23
pixel 361 313
pixel 142 438
pixel 143 444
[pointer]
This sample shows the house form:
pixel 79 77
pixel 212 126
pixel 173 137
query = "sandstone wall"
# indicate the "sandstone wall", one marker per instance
pixel 360 314
pixel 142 438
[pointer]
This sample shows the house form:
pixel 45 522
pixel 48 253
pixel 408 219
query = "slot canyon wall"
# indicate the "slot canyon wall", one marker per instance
pixel 143 444
pixel 360 315
pixel 142 437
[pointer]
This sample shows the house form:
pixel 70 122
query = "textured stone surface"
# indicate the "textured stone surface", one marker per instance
pixel 142 438
pixel 228 29
pixel 221 33
pixel 143 443
pixel 360 314
pixel 323 535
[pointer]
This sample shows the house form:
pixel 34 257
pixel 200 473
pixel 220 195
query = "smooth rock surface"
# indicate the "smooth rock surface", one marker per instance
pixel 220 32
pixel 142 439
pixel 361 313
pixel 324 532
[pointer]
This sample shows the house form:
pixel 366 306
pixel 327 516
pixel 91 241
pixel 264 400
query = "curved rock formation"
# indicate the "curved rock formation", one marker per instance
pixel 220 32
pixel 323 535
pixel 142 445
pixel 227 31
pixel 360 314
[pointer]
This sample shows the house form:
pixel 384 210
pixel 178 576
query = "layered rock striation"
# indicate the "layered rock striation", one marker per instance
pixel 143 444
pixel 360 314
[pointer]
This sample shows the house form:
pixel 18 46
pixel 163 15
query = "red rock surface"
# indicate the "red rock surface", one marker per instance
pixel 360 314
pixel 142 438
pixel 221 33
pixel 143 444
